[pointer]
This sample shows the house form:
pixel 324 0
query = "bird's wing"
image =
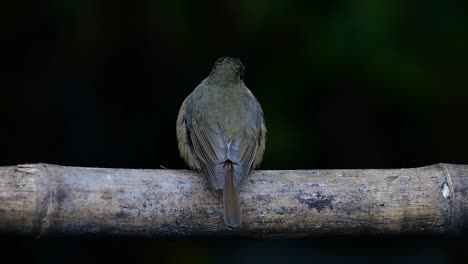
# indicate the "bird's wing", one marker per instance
pixel 247 147
pixel 242 152
pixel 260 132
pixel 209 145
pixel 183 136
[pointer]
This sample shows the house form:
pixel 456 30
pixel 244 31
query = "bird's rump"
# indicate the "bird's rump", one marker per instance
pixel 213 149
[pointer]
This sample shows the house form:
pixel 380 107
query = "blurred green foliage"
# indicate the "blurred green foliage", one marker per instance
pixel 342 83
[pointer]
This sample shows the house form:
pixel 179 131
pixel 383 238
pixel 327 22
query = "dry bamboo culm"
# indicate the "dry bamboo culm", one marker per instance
pixel 44 200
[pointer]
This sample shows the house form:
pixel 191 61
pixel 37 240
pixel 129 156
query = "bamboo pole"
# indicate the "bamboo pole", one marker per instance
pixel 43 199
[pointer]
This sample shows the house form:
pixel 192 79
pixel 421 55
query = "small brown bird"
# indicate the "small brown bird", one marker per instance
pixel 221 132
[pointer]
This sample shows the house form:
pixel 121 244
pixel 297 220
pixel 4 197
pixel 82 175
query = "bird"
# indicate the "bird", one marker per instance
pixel 221 132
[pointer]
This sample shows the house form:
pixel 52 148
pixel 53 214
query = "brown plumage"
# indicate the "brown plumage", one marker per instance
pixel 221 132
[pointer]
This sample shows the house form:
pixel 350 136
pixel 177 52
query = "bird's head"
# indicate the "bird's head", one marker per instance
pixel 227 68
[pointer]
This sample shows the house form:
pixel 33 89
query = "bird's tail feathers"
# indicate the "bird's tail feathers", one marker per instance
pixel 232 212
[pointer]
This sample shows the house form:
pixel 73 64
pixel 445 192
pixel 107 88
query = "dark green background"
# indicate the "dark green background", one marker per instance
pixel 343 84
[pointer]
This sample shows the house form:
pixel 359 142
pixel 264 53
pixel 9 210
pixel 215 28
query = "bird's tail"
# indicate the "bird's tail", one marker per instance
pixel 232 212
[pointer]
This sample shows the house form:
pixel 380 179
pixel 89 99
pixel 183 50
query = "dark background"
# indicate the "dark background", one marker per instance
pixel 343 84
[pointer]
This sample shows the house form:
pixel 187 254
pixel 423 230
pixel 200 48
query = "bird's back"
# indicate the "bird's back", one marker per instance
pixel 226 130
pixel 225 112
